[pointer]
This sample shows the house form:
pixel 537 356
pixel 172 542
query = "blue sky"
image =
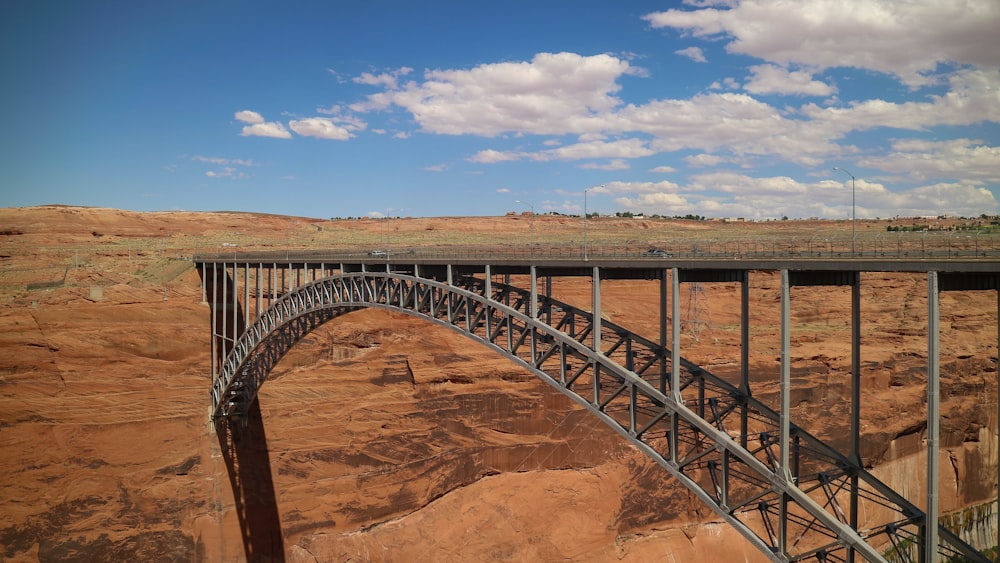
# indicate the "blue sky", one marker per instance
pixel 728 108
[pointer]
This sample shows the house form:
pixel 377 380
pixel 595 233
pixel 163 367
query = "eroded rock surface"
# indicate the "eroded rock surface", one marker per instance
pixel 383 438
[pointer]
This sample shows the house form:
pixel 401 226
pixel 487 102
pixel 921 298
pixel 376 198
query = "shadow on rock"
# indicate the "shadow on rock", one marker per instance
pixel 244 447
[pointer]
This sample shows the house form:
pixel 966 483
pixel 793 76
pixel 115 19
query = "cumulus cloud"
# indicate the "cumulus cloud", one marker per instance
pixel 974 97
pixel 258 127
pixel 663 169
pixel 615 164
pixel 773 79
pixel 271 129
pixel 319 127
pixel 731 194
pixel 693 53
pixel 251 117
pixel 554 93
pixel 922 160
pixel 905 39
pixel 386 79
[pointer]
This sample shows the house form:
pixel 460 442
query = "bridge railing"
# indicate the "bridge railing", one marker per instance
pixel 937 245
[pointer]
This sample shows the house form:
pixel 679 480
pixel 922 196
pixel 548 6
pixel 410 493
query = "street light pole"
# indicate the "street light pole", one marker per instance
pixel 853 215
pixel 532 249
pixel 585 225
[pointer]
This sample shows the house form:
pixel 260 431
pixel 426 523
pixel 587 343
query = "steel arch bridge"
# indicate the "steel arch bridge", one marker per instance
pixel 789 494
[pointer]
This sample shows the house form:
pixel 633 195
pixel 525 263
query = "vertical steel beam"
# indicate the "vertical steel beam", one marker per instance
pixel 744 352
pixel 855 454
pixel 272 285
pixel 246 291
pixel 785 411
pixel 533 310
pixel 786 340
pixel 225 317
pixel 214 307
pixel 663 331
pixel 745 332
pixel 548 299
pixel 258 284
pixel 450 295
pixel 204 282
pixel 675 361
pixel 534 292
pixel 489 282
pixel 933 421
pixel 675 335
pixel 596 307
pixel 236 304
pixel 488 290
pixel 596 328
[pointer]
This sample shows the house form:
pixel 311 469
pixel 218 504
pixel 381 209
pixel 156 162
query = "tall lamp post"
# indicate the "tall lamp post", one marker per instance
pixel 853 215
pixel 585 224
pixel 585 219
pixel 532 249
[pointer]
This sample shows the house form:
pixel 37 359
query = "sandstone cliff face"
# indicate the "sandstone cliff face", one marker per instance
pixel 383 438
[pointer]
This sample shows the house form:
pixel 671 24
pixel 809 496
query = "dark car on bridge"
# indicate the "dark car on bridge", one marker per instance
pixel 657 253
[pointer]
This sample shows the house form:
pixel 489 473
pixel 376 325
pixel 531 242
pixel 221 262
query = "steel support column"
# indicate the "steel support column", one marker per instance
pixel 596 306
pixel 533 310
pixel 663 331
pixel 744 351
pixel 933 410
pixel 785 409
pixel 675 335
pixel 213 308
pixel 855 453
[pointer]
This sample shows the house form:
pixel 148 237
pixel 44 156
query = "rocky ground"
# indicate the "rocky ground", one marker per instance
pixel 380 438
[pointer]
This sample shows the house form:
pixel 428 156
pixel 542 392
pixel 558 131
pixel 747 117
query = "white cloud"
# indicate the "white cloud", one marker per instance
pixel 490 156
pixel 224 161
pixel 974 97
pixel 247 116
pixel 386 79
pixel 257 127
pixel 269 129
pixel 226 167
pixel 319 127
pixel 625 148
pixel 693 53
pixel 957 158
pixel 554 93
pixel 663 169
pixel 660 202
pixel 437 168
pixel 729 194
pixel 906 39
pixel 615 164
pixel 704 160
pixel 773 79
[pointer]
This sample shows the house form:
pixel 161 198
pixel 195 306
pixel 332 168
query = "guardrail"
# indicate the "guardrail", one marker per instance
pixel 897 245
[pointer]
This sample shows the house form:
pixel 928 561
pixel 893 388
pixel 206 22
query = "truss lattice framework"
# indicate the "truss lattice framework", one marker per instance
pixel 712 436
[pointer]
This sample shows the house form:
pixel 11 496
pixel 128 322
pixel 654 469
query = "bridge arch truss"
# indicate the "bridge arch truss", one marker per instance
pixel 790 495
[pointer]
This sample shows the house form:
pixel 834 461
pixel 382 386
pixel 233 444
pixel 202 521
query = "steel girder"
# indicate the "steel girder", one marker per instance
pixel 712 436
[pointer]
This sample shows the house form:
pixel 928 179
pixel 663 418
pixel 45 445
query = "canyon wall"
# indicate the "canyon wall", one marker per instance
pixel 381 437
